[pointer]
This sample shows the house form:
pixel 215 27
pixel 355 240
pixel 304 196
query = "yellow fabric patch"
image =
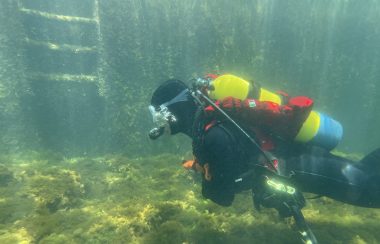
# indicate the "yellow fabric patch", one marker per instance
pixel 229 86
pixel 309 128
pixel 268 96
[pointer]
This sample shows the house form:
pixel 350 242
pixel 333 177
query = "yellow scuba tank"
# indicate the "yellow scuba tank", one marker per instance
pixel 318 128
pixel 233 86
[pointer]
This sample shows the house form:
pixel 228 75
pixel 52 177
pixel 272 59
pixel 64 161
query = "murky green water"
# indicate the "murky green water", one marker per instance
pixel 76 77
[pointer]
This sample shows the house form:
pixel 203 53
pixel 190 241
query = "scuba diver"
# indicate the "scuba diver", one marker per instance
pixel 245 137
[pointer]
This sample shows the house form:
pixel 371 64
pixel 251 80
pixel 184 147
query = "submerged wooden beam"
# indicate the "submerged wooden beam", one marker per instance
pixel 61 47
pixel 64 77
pixel 65 18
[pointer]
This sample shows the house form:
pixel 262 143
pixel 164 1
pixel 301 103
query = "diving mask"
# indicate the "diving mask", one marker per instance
pixel 161 119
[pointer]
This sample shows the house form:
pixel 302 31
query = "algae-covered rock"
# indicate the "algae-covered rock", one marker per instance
pixel 115 199
pixel 6 176
pixel 19 235
pixel 169 232
pixel 165 212
pixel 55 189
pixel 57 239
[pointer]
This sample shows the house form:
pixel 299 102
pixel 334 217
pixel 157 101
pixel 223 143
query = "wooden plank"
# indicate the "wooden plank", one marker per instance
pixel 61 47
pixel 63 77
pixel 65 18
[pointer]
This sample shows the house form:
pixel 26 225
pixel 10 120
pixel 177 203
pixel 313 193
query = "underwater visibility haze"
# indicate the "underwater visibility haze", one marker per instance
pixel 76 80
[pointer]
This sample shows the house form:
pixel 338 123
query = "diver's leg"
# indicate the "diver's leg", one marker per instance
pixel 318 171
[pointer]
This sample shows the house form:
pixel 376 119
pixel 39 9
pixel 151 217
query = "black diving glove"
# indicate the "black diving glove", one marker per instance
pixel 272 193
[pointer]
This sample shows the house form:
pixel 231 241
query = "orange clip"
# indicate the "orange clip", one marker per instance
pixel 189 164
pixel 207 174
pixel 193 164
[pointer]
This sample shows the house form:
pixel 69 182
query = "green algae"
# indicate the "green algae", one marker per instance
pixel 55 189
pixel 117 199
pixel 6 176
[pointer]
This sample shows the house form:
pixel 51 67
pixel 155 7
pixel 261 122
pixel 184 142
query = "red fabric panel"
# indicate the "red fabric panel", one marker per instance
pixel 282 120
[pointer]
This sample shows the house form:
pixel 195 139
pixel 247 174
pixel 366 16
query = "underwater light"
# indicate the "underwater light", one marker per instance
pixel 281 187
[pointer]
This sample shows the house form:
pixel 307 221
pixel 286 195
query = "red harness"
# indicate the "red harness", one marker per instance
pixel 265 142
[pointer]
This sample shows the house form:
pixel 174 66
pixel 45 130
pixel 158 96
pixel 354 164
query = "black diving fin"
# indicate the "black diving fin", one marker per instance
pixel 372 160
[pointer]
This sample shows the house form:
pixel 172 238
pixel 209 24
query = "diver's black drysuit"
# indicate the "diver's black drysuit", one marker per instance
pixel 229 154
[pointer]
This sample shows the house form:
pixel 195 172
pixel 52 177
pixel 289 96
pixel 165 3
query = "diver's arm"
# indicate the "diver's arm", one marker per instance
pixel 222 159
